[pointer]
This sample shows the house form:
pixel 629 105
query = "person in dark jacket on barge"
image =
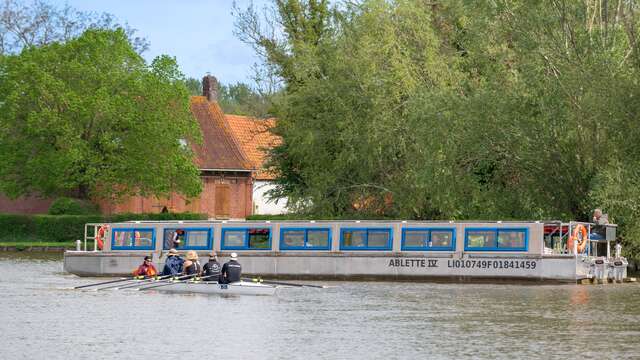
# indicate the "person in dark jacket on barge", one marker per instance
pixel 173 264
pixel 192 266
pixel 231 270
pixel 212 269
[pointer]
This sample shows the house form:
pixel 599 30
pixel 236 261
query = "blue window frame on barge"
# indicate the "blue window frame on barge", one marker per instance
pixel 496 239
pixel 305 239
pixel 428 239
pixel 190 239
pixel 246 238
pixel 366 239
pixel 133 239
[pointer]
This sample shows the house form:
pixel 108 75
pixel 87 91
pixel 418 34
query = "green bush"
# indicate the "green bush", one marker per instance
pixel 69 206
pixel 61 228
pixel 281 217
pixel 15 227
pixel 158 217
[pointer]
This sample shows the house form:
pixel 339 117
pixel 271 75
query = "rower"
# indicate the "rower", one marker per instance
pixel 231 270
pixel 192 265
pixel 147 268
pixel 212 269
pixel 173 264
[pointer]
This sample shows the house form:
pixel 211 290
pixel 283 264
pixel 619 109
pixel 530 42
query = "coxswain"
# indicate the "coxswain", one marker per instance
pixel 147 269
pixel 231 270
pixel 212 268
pixel 192 266
pixel 173 264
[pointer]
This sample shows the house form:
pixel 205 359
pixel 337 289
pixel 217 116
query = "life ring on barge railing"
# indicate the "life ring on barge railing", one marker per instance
pixel 100 236
pixel 582 240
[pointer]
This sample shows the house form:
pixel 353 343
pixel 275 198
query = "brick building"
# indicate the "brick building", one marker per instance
pixel 230 161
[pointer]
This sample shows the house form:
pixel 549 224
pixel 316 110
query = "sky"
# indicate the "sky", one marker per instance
pixel 199 33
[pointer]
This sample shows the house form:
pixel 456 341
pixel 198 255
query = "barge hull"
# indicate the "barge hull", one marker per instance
pixel 380 267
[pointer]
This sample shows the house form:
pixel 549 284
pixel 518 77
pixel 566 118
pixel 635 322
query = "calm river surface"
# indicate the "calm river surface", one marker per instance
pixel 41 318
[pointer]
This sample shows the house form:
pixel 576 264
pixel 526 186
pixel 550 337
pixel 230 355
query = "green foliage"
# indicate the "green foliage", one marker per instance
pixel 155 216
pixel 236 99
pixel 90 117
pixel 69 206
pixel 36 23
pixel 240 99
pixel 508 109
pixel 65 228
pixel 194 86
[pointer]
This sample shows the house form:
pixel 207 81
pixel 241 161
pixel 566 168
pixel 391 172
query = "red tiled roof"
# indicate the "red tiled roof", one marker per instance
pixel 219 149
pixel 254 138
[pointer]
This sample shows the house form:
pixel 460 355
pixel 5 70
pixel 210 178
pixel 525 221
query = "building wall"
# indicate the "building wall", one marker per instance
pixel 238 202
pixel 25 205
pixel 261 204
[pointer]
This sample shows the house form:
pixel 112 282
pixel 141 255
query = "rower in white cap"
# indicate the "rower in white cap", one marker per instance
pixel 231 270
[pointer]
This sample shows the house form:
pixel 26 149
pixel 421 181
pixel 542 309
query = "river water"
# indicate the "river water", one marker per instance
pixel 42 318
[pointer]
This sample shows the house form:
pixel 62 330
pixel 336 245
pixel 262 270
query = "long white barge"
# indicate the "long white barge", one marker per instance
pixel 368 250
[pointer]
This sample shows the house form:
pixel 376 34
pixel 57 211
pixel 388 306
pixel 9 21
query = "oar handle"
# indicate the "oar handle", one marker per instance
pixel 137 283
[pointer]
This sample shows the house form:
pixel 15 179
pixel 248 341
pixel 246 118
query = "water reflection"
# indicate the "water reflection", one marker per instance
pixel 351 320
pixel 579 295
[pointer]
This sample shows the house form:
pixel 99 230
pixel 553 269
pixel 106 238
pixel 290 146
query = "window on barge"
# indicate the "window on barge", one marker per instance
pixel 305 239
pixel 246 239
pixel 365 239
pixel 496 239
pixel 428 239
pixel 133 239
pixel 190 238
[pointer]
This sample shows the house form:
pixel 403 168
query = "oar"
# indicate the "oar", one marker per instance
pixel 136 283
pixel 106 282
pixel 178 280
pixel 284 283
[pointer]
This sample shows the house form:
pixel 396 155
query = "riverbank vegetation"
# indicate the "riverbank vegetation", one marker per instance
pixel 507 109
pixel 33 230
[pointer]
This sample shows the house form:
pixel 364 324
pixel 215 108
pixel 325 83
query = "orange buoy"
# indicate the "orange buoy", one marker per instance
pixel 100 236
pixel 579 234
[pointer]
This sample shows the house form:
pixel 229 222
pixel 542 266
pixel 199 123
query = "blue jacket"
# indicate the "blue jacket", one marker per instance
pixel 173 265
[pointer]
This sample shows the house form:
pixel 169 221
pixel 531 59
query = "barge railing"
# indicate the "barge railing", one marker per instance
pixel 96 227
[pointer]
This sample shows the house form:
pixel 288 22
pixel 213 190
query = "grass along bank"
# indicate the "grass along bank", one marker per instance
pixel 42 246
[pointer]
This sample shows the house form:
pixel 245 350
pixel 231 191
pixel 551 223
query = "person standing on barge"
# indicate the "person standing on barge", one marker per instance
pixel 231 270
pixel 147 269
pixel 192 265
pixel 212 269
pixel 173 241
pixel 598 232
pixel 173 264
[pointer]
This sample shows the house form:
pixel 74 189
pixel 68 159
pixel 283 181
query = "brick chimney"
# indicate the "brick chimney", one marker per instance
pixel 210 88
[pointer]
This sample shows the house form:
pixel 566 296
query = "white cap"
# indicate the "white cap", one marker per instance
pixel 234 256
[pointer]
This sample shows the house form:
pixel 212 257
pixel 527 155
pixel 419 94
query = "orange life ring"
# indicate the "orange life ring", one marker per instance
pixel 582 240
pixel 100 236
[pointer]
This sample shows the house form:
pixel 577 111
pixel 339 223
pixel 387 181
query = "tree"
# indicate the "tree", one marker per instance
pixel 39 23
pixel 89 116
pixel 238 98
pixel 507 109
pixel 194 86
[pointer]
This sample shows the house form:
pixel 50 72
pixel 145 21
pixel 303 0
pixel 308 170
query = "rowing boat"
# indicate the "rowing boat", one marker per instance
pixel 239 288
